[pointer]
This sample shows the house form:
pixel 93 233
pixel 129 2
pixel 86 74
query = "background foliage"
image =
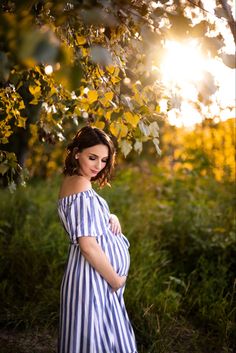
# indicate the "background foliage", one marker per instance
pixel 178 212
pixel 66 63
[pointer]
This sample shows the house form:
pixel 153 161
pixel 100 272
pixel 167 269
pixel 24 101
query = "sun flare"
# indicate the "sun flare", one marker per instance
pixel 186 73
pixel 182 62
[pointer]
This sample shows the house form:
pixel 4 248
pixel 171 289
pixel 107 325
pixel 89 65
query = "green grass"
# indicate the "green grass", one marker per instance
pixel 181 290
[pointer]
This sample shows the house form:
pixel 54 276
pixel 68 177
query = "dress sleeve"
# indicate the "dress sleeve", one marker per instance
pixel 82 217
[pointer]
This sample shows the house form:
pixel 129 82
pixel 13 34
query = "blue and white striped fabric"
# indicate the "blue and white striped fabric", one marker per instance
pixel 93 319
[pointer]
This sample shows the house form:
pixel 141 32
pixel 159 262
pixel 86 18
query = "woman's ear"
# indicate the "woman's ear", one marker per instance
pixel 77 156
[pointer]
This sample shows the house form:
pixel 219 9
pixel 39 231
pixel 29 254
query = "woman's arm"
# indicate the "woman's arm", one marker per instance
pixel 94 254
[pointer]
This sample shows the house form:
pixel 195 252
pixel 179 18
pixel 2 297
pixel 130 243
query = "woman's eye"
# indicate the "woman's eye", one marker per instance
pixel 93 158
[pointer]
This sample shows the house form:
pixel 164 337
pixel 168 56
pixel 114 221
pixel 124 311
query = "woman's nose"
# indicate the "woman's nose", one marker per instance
pixel 99 164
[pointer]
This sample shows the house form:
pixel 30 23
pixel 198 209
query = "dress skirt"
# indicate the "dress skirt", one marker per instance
pixel 93 318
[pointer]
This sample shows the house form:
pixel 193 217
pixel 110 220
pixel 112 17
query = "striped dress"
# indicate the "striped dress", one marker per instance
pixel 93 319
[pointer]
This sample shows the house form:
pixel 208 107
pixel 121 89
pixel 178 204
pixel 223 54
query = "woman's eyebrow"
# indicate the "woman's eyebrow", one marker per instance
pixel 95 155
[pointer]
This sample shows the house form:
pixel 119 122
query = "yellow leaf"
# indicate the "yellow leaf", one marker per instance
pixel 22 105
pixel 114 72
pixel 83 100
pixel 52 165
pixel 34 130
pixel 35 90
pixel 115 79
pixel 117 71
pixel 219 230
pixel 158 109
pixel 34 101
pixel 110 69
pixel 3 140
pixel 81 40
pixel 108 115
pixel 53 91
pixel 99 124
pixel 99 72
pixel 15 112
pixel 104 102
pixel 132 119
pixel 8 133
pixel 109 95
pixel 84 51
pixel 138 98
pixel 20 84
pixel 92 96
pixel 118 129
pixel 30 62
pixel 99 112
pixel 84 107
pixel 21 122
pixel 107 98
pixel 114 128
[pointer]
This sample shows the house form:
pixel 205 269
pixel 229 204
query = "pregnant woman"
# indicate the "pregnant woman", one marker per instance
pixel 93 317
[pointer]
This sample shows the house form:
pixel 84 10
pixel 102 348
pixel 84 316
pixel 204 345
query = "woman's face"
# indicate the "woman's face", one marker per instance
pixel 92 160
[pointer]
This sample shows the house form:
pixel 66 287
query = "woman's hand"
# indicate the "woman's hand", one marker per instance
pixel 94 254
pixel 120 283
pixel 115 224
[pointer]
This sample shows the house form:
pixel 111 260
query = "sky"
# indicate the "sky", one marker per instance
pixel 187 71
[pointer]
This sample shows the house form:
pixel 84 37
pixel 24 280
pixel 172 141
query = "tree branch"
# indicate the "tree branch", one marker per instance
pixel 231 21
pixel 227 9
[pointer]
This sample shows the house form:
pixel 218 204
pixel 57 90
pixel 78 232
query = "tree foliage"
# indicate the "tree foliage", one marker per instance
pixel 208 150
pixel 69 63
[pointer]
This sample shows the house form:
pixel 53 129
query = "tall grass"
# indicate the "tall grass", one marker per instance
pixel 32 255
pixel 181 290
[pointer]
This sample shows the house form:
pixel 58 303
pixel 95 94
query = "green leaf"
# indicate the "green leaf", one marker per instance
pixel 4 140
pixel 4 168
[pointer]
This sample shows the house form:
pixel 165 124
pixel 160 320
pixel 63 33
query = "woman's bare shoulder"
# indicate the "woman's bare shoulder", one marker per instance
pixel 73 184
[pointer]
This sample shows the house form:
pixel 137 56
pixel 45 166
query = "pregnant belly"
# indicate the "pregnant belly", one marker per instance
pixel 116 247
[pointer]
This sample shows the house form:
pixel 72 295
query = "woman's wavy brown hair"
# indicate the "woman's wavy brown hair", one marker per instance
pixel 86 137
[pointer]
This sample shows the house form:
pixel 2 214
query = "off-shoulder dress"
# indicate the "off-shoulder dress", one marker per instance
pixel 93 319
